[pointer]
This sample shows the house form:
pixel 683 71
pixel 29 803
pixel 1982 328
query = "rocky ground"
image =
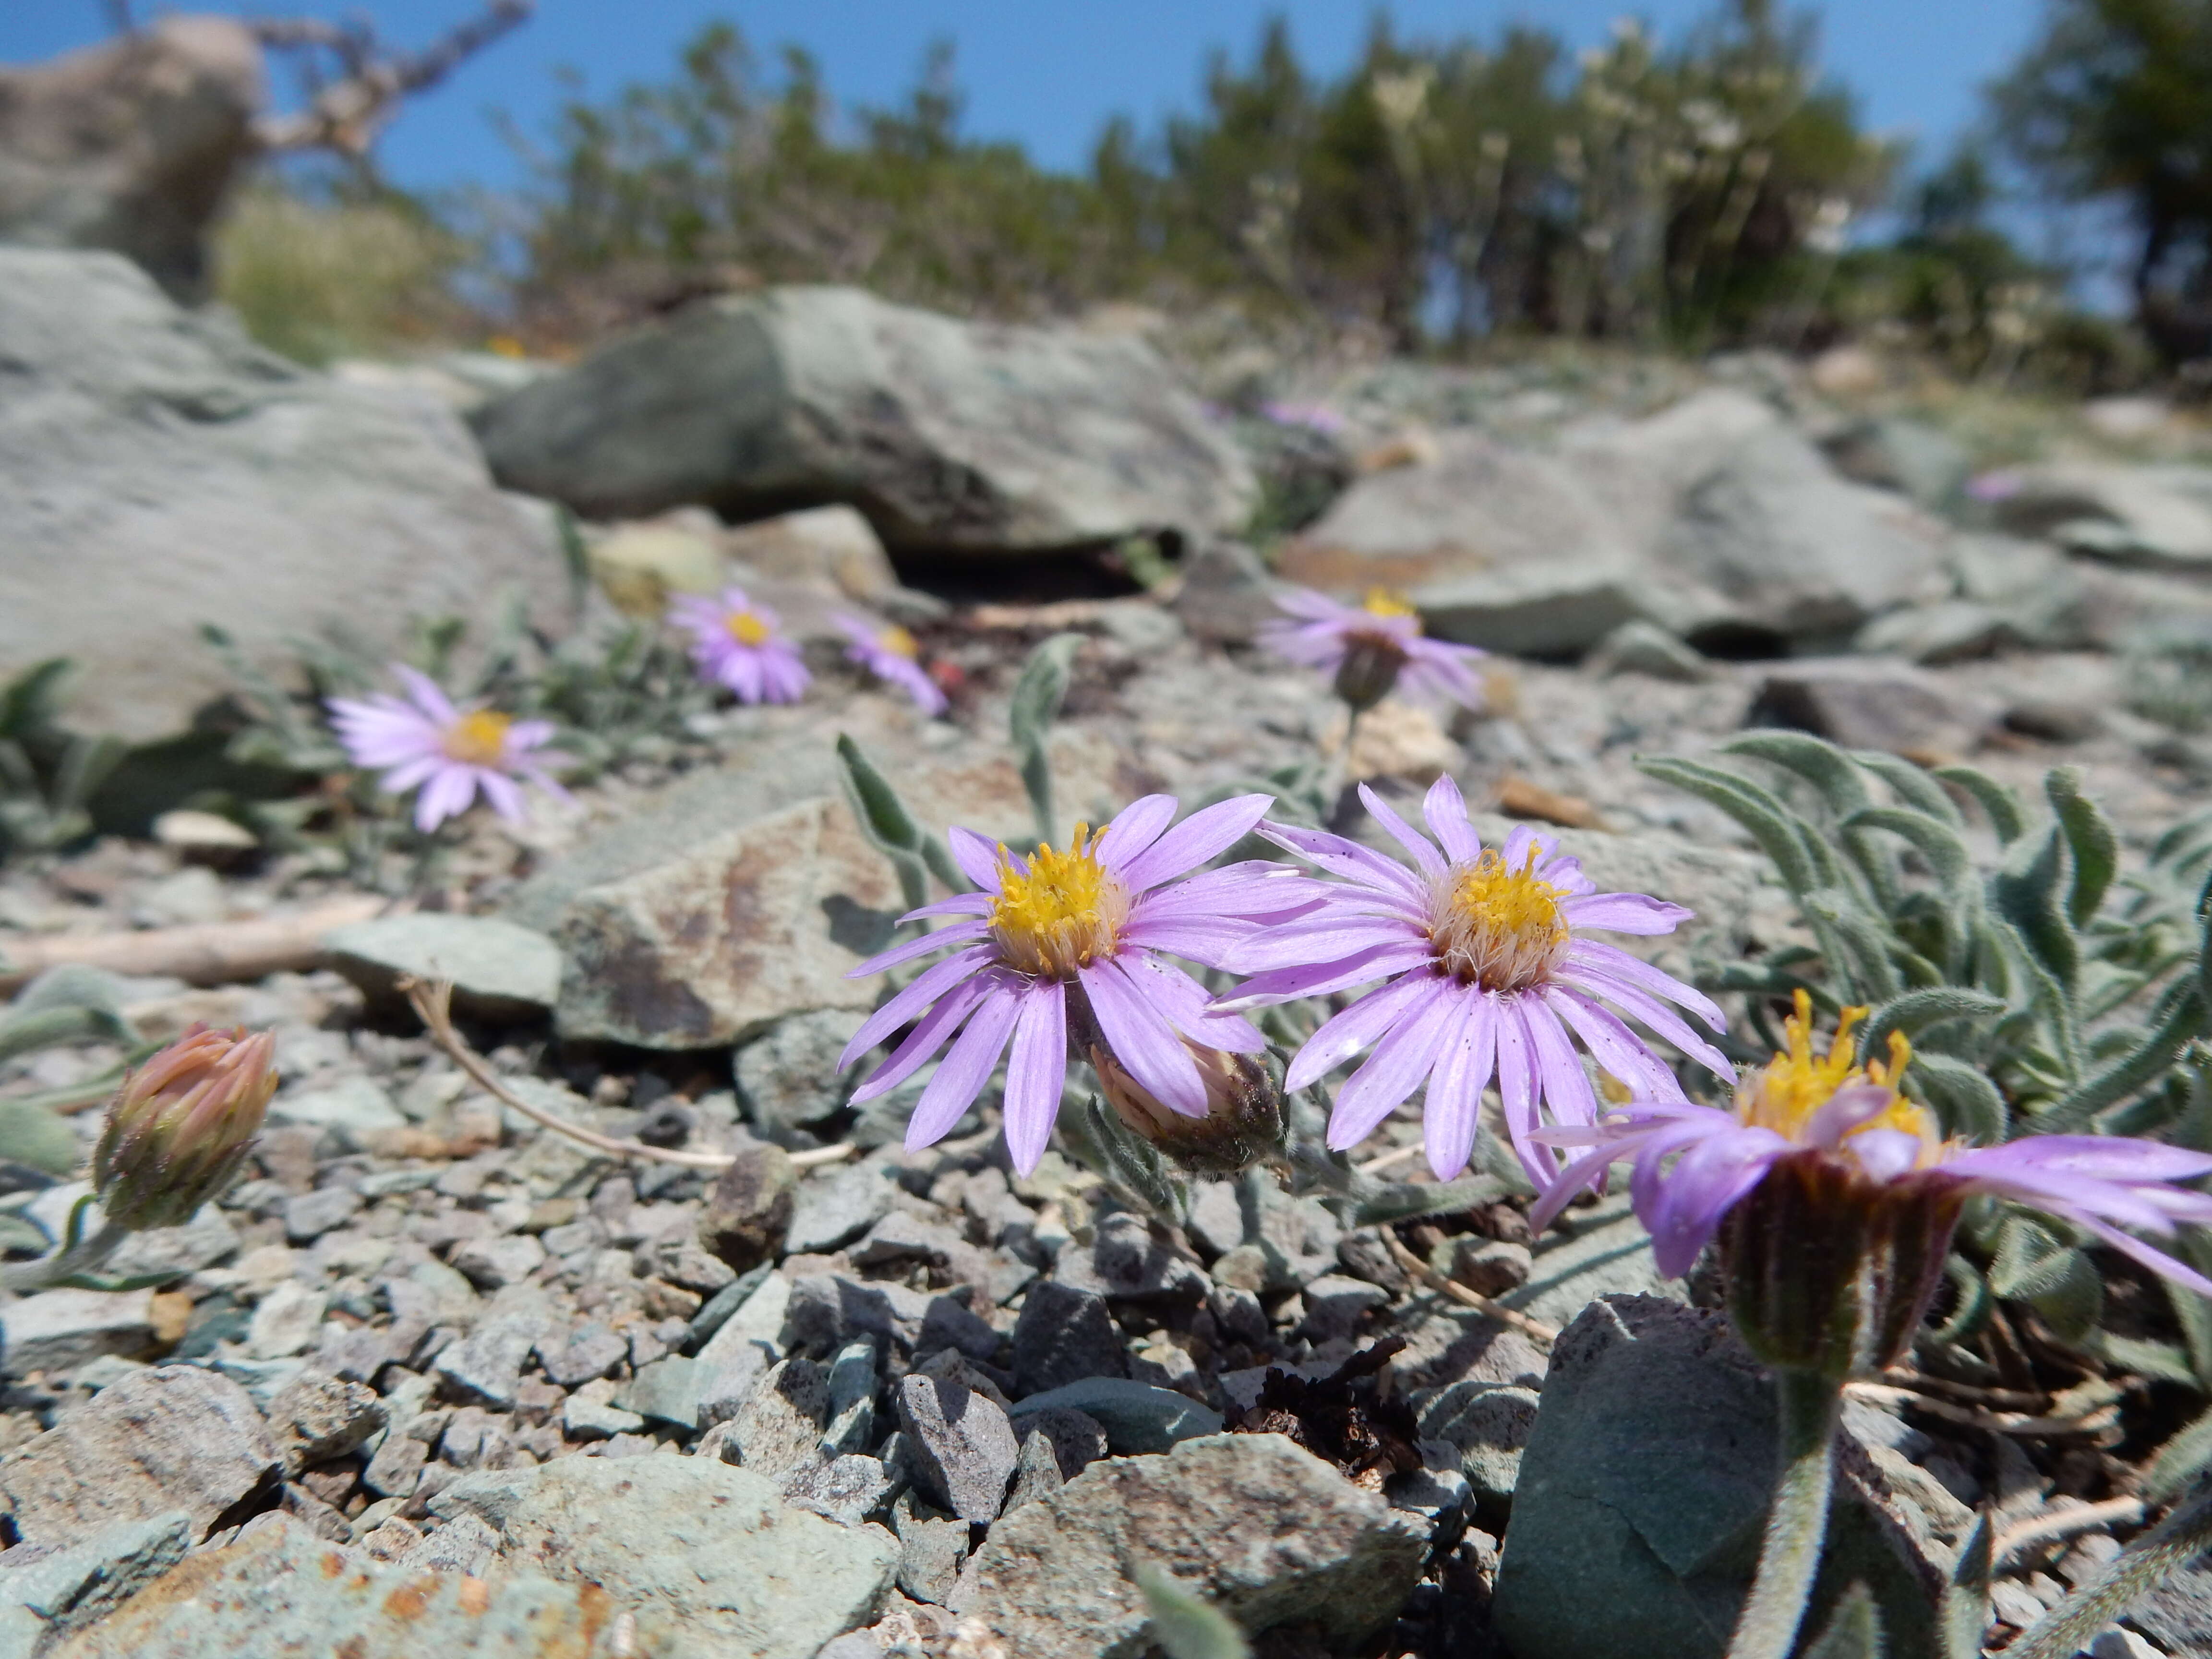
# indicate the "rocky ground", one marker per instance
pixel 434 1375
pixel 429 1344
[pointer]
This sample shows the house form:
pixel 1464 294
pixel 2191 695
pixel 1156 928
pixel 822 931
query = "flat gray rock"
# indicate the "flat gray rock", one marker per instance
pixel 497 968
pixel 145 446
pixel 1052 1582
pixel 1642 1489
pixel 280 1589
pixel 708 1555
pixel 169 1437
pixel 56 1330
pixel 1136 1416
pixel 949 435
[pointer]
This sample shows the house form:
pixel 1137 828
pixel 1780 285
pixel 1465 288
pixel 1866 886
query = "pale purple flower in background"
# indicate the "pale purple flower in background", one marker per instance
pixel 1695 1164
pixel 741 644
pixel 1486 977
pixel 1314 418
pixel 454 754
pixel 890 652
pixel 1999 486
pixel 1370 647
pixel 1071 947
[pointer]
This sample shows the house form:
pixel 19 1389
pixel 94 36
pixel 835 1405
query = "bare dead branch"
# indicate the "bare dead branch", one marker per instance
pixel 346 114
pixel 205 953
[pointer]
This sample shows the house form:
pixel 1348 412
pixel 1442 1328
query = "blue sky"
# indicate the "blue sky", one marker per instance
pixel 1049 72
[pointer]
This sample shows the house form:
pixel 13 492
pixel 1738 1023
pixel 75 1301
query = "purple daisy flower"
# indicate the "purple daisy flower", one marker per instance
pixel 1852 1118
pixel 740 645
pixel 1369 648
pixel 1065 950
pixel 454 754
pixel 1314 418
pixel 1486 977
pixel 891 654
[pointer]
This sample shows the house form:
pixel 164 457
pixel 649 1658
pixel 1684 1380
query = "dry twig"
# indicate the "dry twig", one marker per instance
pixel 1466 1299
pixel 2094 1421
pixel 432 1001
pixel 208 953
pixel 2056 1524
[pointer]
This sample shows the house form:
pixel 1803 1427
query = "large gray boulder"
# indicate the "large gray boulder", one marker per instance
pixel 949 435
pixel 132 144
pixel 158 471
pixel 1799 552
pixel 1711 519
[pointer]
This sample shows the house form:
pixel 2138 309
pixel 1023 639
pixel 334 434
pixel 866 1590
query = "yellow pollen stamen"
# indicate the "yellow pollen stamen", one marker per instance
pixel 1784 1094
pixel 1387 602
pixel 1497 927
pixel 478 738
pixel 746 628
pixel 1058 911
pixel 897 640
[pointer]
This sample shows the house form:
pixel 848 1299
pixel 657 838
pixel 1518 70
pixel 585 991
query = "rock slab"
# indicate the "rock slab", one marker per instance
pixel 706 1554
pixel 1268 1532
pixel 168 1438
pixel 280 1590
pixel 147 449
pixel 947 435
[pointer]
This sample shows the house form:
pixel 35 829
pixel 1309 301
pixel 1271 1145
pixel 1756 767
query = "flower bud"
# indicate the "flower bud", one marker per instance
pixel 1369 670
pixel 1829 1271
pixel 181 1125
pixel 1243 1120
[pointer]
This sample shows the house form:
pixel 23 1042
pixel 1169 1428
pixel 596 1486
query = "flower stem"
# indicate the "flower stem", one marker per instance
pixel 81 1257
pixel 2142 1567
pixel 1810 1403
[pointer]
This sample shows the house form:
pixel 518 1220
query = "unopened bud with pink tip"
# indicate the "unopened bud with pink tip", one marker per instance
pixel 181 1125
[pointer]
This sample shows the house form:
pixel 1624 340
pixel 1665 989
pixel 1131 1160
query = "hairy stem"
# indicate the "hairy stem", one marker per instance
pixel 81 1257
pixel 2136 1571
pixel 1810 1404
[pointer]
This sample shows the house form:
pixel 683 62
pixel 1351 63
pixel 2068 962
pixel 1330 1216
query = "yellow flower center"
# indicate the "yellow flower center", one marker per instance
pixel 1058 912
pixel 896 639
pixel 746 628
pixel 478 738
pixel 1784 1094
pixel 1384 602
pixel 1497 927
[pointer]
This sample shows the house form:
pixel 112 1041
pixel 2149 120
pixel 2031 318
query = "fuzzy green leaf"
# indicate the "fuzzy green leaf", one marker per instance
pixel 1410 1201
pixel 32 1135
pixel 1184 1624
pixel 2180 1460
pixel 1817 760
pixel 1913 785
pixel 1036 699
pixel 2030 1259
pixel 2026 894
pixel 1914 1011
pixel 1853 1632
pixel 1999 805
pixel 2179 1021
pixel 1962 1614
pixel 1805 864
pixel 2089 837
pixel 1961 1096
pixel 1937 840
pixel 884 819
